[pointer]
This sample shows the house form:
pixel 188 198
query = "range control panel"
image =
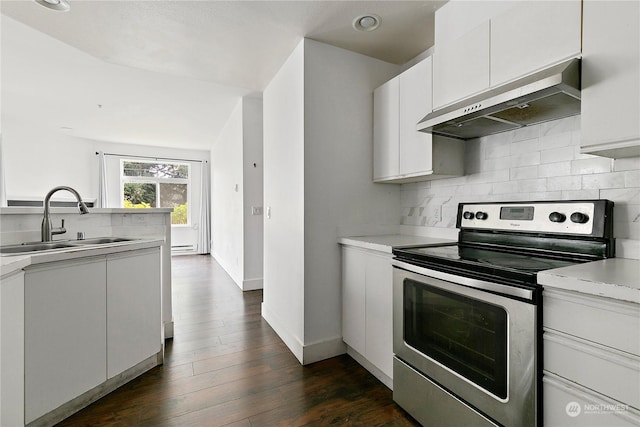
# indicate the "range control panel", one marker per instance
pixel 573 217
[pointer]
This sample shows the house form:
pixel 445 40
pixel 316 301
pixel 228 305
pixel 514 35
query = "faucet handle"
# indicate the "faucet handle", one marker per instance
pixel 59 230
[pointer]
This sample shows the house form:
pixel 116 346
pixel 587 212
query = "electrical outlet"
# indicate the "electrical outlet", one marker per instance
pixel 256 210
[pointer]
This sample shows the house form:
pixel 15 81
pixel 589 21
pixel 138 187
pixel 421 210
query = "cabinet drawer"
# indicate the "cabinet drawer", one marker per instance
pixel 603 320
pixel 567 404
pixel 612 373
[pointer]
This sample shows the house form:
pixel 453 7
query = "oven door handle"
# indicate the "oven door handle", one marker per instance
pixel 506 290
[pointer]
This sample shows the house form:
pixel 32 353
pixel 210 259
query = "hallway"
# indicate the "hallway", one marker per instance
pixel 226 366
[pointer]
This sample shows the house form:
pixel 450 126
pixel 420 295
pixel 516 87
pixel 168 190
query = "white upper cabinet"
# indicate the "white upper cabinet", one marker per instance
pixel 533 35
pixel 461 66
pixel 415 103
pixel 513 39
pixel 400 152
pixel 611 78
pixel 386 147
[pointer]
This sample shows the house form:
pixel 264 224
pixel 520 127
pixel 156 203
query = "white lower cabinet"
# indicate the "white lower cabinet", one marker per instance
pixel 354 265
pixel 12 349
pixel 591 360
pixel 85 322
pixel 65 333
pixel 367 318
pixel 133 309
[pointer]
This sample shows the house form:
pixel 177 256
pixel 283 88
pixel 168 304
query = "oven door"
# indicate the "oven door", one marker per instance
pixel 471 338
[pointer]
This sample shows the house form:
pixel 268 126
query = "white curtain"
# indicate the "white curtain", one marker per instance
pixel 204 230
pixel 3 180
pixel 103 190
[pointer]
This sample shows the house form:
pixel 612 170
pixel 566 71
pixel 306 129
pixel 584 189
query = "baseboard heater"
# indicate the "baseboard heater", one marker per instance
pixel 183 248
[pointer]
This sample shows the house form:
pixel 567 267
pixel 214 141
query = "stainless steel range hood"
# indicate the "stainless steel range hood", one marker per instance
pixel 550 94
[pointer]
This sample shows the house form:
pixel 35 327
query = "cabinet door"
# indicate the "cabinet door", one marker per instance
pixel 65 333
pixel 611 78
pixel 532 35
pixel 386 130
pixel 415 103
pixel 12 350
pixel 134 322
pixel 353 301
pixel 461 67
pixel 378 316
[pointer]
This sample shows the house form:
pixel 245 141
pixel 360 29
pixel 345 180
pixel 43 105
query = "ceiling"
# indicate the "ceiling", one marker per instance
pixel 227 48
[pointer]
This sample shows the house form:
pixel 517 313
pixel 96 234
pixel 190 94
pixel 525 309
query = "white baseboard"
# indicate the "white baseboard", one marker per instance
pixel 291 341
pixel 168 329
pixel 305 353
pixel 227 270
pixel 85 399
pixel 252 284
pixel 384 378
pixel 322 350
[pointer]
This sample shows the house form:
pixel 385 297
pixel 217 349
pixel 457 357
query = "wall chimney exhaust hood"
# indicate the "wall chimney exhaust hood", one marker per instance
pixel 549 94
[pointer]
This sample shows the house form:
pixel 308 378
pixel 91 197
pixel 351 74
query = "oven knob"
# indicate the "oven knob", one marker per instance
pixel 481 215
pixel 579 217
pixel 468 215
pixel 557 217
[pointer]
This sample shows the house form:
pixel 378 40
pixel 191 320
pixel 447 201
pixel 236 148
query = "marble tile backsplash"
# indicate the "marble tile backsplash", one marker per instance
pixel 541 162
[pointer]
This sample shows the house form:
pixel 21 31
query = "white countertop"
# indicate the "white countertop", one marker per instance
pixel 57 210
pixel 617 278
pixel 386 242
pixel 12 263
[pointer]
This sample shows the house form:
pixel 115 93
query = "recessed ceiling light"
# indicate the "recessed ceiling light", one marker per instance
pixel 366 22
pixel 59 5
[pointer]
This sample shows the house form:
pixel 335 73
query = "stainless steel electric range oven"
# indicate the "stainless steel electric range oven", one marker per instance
pixel 467 317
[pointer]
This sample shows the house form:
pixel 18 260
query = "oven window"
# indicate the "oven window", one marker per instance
pixel 467 335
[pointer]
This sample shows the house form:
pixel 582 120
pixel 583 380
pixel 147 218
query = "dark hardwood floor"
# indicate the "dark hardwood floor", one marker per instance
pixel 226 366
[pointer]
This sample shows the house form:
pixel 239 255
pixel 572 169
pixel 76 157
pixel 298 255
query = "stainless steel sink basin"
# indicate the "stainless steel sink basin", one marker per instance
pixel 100 241
pixel 32 247
pixel 29 248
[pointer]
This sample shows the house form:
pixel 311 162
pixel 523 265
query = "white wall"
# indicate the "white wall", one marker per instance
pixel 227 198
pixel 283 103
pixel 237 186
pixel 318 114
pixel 253 192
pixel 338 168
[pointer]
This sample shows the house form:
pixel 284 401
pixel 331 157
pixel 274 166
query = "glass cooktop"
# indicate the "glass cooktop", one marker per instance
pixel 489 264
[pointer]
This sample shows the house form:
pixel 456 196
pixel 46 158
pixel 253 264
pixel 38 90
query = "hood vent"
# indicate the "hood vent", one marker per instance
pixel 550 94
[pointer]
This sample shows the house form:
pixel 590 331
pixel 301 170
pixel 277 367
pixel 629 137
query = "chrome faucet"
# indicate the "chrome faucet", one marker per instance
pixel 48 231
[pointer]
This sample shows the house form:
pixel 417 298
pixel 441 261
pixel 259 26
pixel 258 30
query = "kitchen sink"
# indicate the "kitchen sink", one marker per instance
pixel 29 248
pixel 32 247
pixel 100 241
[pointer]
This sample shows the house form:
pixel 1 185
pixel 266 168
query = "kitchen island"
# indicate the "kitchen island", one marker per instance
pixel 76 324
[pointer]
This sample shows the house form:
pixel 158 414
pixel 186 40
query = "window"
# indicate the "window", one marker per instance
pixel 147 184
